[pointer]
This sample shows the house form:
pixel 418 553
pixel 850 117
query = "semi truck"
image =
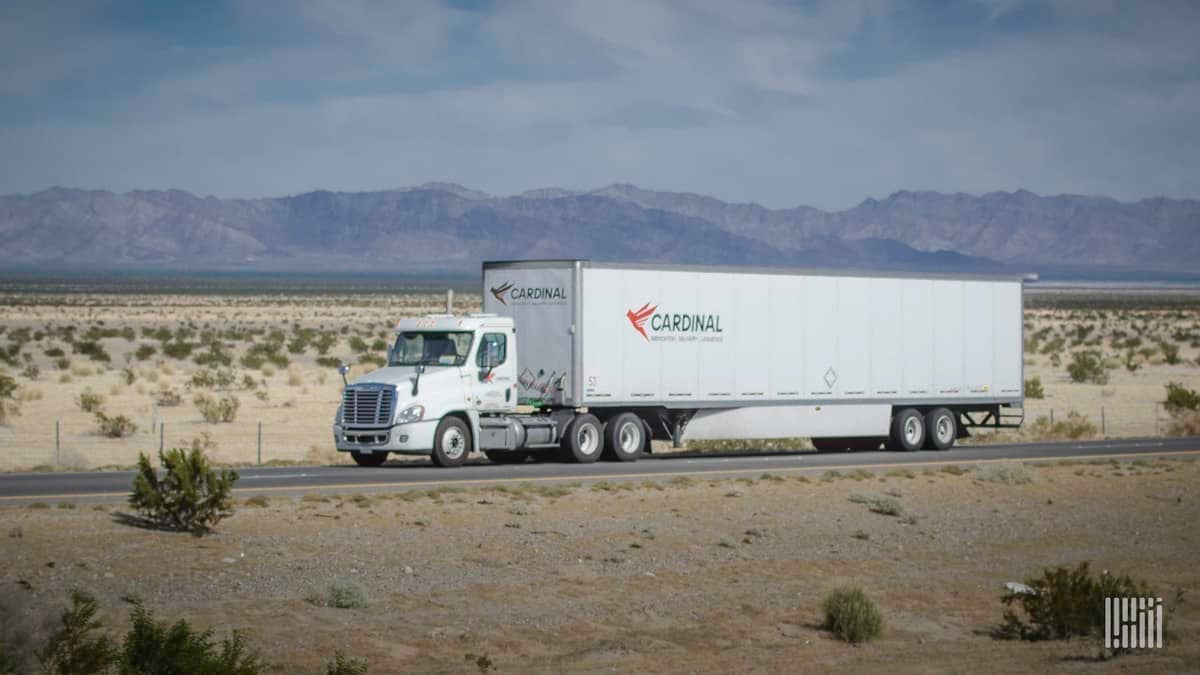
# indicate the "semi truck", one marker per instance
pixel 586 360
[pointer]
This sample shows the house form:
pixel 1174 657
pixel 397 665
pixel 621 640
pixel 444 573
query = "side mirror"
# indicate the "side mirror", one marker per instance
pixel 342 370
pixel 420 368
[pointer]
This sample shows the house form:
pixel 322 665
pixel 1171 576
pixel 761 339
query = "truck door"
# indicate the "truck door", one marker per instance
pixel 494 386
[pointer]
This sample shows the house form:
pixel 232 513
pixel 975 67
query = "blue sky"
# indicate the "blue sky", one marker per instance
pixel 780 103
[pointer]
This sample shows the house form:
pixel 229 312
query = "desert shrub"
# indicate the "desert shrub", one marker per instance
pixel 341 595
pixel 1064 603
pixel 129 375
pixel 1007 473
pixel 153 647
pixel 252 361
pixel 1033 388
pixel 328 362
pixel 878 504
pixel 324 342
pixel 852 616
pixel 1131 362
pixel 344 665
pixel 297 345
pixel 358 345
pixel 217 409
pixel 1185 424
pixel 116 426
pixel 144 352
pixel 168 398
pixel 73 645
pixel 1087 366
pixel 31 371
pixel 1074 426
pixel 9 407
pixel 373 359
pixel 379 346
pixel 190 496
pixel 177 350
pixel 63 363
pixel 89 401
pixel 54 353
pixel 1170 352
pixel 1180 399
pixel 295 376
pixel 212 378
pixel 215 356
pixel 93 350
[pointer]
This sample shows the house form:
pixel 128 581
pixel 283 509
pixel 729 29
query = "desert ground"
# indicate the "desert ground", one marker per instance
pixel 147 357
pixel 678 576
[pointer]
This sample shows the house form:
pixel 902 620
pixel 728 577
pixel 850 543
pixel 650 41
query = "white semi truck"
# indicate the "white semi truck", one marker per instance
pixel 584 360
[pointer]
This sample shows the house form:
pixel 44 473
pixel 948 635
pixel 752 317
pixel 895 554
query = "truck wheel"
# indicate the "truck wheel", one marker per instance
pixel 506 457
pixel 908 430
pixel 451 442
pixel 584 441
pixel 369 458
pixel 941 428
pixel 624 438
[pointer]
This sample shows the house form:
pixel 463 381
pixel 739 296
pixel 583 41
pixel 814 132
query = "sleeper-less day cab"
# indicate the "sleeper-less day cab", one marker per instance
pixel 587 360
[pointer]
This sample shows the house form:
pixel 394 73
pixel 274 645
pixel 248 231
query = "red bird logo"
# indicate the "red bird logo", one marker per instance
pixel 638 318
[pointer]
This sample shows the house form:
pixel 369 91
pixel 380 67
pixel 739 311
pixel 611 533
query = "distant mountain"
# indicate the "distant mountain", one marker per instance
pixel 447 227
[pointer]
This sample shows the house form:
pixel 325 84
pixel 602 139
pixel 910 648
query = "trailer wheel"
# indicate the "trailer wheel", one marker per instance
pixel 941 428
pixel 908 430
pixel 451 442
pixel 584 441
pixel 369 458
pixel 624 438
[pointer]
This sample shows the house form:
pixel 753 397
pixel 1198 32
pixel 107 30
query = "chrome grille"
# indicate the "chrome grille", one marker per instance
pixel 368 405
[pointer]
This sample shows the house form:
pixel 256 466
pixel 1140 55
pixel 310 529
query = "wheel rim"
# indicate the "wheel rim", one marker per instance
pixel 944 428
pixel 630 437
pixel 453 443
pixel 912 430
pixel 588 439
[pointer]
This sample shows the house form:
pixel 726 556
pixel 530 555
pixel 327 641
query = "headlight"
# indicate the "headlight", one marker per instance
pixel 411 414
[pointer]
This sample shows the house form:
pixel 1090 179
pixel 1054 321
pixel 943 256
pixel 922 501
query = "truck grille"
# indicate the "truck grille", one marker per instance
pixel 369 405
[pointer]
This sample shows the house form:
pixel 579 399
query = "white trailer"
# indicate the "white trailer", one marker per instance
pixel 605 357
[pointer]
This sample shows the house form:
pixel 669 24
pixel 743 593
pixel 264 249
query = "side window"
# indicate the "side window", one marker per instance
pixel 498 339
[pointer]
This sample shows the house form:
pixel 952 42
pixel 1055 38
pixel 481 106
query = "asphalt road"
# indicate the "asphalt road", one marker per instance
pixel 114 485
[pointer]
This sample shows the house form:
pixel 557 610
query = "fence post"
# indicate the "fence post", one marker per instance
pixel 161 428
pixel 1155 418
pixel 260 442
pixel 57 444
pixel 1052 417
pixel 1103 427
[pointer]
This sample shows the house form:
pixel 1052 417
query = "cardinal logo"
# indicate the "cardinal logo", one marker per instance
pixel 500 290
pixel 638 318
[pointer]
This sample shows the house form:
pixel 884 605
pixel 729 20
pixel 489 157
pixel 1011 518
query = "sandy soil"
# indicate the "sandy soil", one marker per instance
pixel 723 576
pixel 301 398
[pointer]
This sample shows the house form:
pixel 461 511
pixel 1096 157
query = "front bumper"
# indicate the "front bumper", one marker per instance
pixel 415 438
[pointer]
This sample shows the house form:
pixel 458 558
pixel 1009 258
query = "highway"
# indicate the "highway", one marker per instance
pixel 115 485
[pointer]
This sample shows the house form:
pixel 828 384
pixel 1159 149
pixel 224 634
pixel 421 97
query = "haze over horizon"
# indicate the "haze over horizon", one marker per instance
pixel 822 104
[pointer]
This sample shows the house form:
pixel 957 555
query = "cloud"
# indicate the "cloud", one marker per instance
pixel 762 101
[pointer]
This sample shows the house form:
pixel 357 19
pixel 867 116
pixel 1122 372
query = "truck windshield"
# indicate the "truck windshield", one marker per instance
pixel 445 348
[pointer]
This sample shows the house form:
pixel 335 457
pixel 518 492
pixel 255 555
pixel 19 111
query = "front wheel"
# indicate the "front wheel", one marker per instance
pixel 369 458
pixel 450 442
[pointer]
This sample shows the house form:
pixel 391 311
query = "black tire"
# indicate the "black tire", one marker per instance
pixel 506 457
pixel 451 442
pixel 941 428
pixel 369 459
pixel 583 442
pixel 908 430
pixel 624 438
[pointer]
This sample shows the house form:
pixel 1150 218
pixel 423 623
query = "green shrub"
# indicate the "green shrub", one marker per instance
pixel 852 616
pixel 144 352
pixel 212 378
pixel 341 595
pixel 1087 366
pixel 177 350
pixel 217 409
pixel 358 345
pixel 89 401
pixel 1170 352
pixel 1180 399
pixel 54 353
pixel 1064 603
pixel 93 350
pixel 116 426
pixel 1073 427
pixel 373 359
pixel 344 665
pixel 72 646
pixel 878 504
pixel 252 361
pixel 190 496
pixel 168 398
pixel 328 362
pixel 1033 388
pixel 9 406
pixel 152 647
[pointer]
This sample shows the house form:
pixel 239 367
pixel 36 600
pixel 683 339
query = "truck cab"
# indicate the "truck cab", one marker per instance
pixel 442 373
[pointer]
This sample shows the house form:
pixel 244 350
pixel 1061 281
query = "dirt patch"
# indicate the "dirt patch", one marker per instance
pixel 684 578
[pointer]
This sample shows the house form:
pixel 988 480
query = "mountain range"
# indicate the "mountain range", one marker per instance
pixel 444 227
